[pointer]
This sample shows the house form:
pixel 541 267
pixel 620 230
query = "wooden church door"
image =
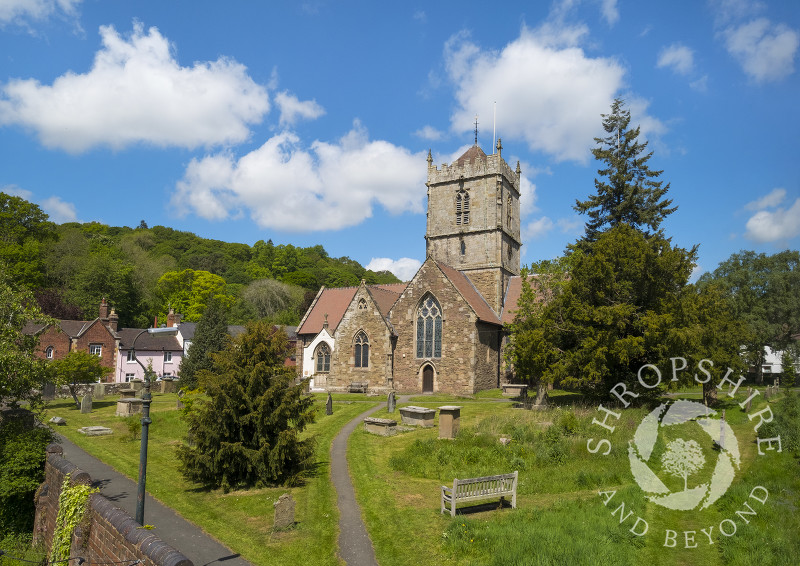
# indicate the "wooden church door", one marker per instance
pixel 427 379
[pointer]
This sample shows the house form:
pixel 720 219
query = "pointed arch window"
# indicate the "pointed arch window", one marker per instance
pixel 429 328
pixel 323 358
pixel 462 208
pixel 361 350
pixel 362 304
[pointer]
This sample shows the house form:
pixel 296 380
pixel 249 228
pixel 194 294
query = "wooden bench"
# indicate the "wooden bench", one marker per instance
pixel 474 489
pixel 359 387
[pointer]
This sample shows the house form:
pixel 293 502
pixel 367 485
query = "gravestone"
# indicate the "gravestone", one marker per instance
pixel 99 390
pixel 58 421
pixel 449 417
pixel 329 405
pixel 284 511
pixel 86 403
pixel 179 404
pixel 49 391
pixel 95 431
pixel 390 402
pixel 767 394
pixel 127 393
pixel 749 399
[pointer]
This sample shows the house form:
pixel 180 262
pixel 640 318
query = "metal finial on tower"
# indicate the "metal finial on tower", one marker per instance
pixel 476 129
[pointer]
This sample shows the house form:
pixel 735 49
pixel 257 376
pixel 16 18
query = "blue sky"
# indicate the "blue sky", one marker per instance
pixel 309 122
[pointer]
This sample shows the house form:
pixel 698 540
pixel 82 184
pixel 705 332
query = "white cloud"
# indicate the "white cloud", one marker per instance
pixel 775 226
pixel 549 93
pixel 429 133
pixel 18 11
pixel 700 85
pixel 403 268
pixel 570 225
pixel 774 198
pixel 537 229
pixel 610 11
pixel 527 196
pixel 59 211
pixel 16 191
pixel 136 92
pixel 677 57
pixel 766 51
pixel 293 109
pixel 287 187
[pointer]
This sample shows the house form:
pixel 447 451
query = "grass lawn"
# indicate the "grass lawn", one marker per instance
pixel 242 520
pixel 560 518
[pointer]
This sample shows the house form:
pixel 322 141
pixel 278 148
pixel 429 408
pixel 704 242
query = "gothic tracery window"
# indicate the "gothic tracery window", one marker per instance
pixel 361 350
pixel 429 328
pixel 362 305
pixel 462 208
pixel 323 358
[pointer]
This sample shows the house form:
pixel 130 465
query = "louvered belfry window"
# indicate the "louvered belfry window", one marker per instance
pixel 462 208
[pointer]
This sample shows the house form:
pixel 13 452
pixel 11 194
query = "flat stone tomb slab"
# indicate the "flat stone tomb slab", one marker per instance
pixel 420 416
pixel 127 393
pixel 515 390
pixel 127 407
pixel 95 430
pixel 382 427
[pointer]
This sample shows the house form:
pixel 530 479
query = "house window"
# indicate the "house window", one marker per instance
pixel 362 350
pixel 49 353
pixel 131 357
pixel 167 357
pixel 167 374
pixel 429 328
pixel 323 358
pixel 462 208
pixel 362 305
pixel 96 349
pixel 129 377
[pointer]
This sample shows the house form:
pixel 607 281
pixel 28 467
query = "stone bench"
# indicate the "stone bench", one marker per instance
pixel 515 390
pixel 359 387
pixel 475 489
pixel 382 427
pixel 420 416
pixel 128 407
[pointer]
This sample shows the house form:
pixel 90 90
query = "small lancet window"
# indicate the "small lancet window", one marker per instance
pixel 324 358
pixel 463 247
pixel 362 304
pixel 361 350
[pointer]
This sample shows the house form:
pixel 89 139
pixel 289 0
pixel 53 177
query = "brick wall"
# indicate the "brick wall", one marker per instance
pixel 100 334
pixel 109 535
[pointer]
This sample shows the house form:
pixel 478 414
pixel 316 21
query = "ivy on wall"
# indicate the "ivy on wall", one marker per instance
pixel 72 504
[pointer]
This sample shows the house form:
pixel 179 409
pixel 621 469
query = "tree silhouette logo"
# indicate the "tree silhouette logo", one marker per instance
pixel 683 458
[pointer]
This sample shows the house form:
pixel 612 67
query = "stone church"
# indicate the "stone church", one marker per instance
pixel 443 330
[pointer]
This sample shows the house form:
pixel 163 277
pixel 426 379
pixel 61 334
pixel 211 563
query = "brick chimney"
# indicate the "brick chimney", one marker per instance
pixel 113 320
pixel 173 319
pixel 104 310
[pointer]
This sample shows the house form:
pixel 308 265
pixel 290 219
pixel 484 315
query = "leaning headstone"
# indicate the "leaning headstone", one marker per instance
pixel 767 393
pixel 58 421
pixel 49 391
pixel 99 390
pixel 329 405
pixel 86 403
pixel 749 399
pixel 390 402
pixel 284 511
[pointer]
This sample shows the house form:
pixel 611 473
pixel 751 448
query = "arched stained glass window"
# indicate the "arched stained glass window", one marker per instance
pixel 429 328
pixel 361 350
pixel 323 358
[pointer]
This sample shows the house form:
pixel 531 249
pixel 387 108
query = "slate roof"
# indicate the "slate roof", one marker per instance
pixel 72 328
pixel 147 342
pixel 473 297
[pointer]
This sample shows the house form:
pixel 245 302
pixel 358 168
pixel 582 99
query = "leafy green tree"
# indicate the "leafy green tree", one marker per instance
pixel 762 291
pixel 789 373
pixel 189 291
pixel 628 191
pixel 24 231
pixel 77 368
pixel 210 337
pixel 269 297
pixel 248 430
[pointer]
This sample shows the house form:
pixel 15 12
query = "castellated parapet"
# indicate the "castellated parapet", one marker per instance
pixel 492 165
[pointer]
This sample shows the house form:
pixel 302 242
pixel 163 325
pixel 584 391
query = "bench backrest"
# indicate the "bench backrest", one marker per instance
pixel 504 483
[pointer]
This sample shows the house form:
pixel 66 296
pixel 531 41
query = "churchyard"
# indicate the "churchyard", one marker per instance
pixel 560 517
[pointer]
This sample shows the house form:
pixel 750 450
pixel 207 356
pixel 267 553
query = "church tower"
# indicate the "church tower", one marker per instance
pixel 473 219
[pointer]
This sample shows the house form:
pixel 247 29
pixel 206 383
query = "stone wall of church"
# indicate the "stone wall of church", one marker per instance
pixel 455 371
pixel 369 319
pixel 488 357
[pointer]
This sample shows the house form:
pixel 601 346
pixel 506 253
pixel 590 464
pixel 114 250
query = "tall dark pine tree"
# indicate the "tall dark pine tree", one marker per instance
pixel 247 431
pixel 211 336
pixel 628 190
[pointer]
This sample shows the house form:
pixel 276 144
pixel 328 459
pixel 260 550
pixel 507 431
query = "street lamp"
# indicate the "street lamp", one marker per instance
pixel 146 398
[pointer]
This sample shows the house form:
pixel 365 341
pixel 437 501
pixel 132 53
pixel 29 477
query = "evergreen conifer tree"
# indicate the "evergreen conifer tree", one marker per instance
pixel 247 431
pixel 628 190
pixel 211 336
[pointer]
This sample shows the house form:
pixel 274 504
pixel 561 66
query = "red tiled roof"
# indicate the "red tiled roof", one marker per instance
pixel 334 303
pixel 473 297
pixel 513 293
pixel 385 298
